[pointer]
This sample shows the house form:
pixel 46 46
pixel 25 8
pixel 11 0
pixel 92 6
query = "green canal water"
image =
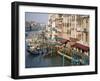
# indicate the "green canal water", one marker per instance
pixel 33 61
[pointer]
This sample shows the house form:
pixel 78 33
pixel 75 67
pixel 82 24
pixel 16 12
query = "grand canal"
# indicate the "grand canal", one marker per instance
pixel 39 59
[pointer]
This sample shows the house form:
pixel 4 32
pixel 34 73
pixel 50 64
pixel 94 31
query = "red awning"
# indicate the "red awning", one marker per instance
pixel 80 46
pixel 63 41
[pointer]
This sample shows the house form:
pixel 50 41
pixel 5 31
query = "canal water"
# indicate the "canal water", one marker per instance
pixel 33 61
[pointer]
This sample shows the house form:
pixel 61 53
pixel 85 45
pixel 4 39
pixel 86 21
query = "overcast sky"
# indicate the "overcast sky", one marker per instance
pixel 38 17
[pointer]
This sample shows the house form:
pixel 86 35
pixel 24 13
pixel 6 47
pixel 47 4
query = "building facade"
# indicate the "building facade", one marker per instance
pixel 69 26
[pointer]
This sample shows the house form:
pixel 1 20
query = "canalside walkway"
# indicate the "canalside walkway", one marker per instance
pixel 70 58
